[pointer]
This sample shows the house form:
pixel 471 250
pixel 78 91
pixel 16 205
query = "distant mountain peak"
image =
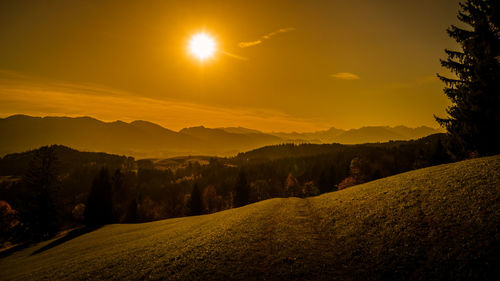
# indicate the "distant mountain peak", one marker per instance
pixel 147 139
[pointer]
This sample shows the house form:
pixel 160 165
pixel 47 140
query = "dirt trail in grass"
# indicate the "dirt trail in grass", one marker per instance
pixel 294 245
pixel 279 240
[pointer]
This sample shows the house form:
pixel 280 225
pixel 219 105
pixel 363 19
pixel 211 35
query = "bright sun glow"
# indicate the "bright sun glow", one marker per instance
pixel 202 46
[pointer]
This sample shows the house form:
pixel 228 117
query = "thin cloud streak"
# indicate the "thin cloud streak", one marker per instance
pixel 233 56
pixel 345 76
pixel 265 37
pixel 109 105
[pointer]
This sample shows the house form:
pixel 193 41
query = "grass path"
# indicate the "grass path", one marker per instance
pixel 438 223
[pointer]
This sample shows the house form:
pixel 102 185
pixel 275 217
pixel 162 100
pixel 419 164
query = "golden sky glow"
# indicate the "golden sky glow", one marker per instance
pixel 273 65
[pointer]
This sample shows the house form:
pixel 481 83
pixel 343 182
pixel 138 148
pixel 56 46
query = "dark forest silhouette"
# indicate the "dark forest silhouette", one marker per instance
pixel 86 192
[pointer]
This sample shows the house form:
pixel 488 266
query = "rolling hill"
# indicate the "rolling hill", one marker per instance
pixel 437 223
pixel 143 139
pixel 17 164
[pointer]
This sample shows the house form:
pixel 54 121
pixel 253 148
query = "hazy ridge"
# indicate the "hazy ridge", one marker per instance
pixel 145 139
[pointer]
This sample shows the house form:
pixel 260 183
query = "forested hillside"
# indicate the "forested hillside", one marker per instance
pixel 62 183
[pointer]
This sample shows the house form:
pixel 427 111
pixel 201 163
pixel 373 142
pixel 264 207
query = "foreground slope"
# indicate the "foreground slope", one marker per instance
pixel 436 223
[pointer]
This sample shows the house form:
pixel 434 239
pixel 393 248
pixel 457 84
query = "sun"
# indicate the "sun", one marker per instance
pixel 202 46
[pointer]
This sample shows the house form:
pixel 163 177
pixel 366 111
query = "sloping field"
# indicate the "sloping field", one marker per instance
pixel 439 223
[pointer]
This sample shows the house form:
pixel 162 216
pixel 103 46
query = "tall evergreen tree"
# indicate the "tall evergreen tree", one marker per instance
pixel 474 117
pixel 132 215
pixel 196 202
pixel 241 190
pixel 99 208
pixel 324 182
pixel 41 181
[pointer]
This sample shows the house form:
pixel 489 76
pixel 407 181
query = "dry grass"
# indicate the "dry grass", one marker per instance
pixel 436 223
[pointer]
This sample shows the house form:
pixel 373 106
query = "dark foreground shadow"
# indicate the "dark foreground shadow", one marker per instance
pixel 11 250
pixel 69 236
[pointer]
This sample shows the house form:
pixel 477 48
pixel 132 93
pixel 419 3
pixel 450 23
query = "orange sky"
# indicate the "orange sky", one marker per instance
pixel 280 65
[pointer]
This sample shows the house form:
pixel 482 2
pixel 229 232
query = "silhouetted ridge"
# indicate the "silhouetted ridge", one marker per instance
pixel 146 139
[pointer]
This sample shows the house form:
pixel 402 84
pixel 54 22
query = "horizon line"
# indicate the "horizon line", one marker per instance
pixel 2 116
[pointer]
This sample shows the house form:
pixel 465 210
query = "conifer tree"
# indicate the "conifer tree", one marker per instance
pixel 99 208
pixel 41 181
pixel 241 190
pixel 196 202
pixel 473 121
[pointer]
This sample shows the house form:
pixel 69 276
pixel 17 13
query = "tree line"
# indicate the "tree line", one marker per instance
pixel 52 194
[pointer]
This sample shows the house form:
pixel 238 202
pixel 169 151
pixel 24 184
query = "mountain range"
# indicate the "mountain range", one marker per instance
pixel 144 139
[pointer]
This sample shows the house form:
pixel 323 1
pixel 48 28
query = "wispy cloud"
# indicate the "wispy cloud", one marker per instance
pixel 234 56
pixel 345 76
pixel 46 98
pixel 265 37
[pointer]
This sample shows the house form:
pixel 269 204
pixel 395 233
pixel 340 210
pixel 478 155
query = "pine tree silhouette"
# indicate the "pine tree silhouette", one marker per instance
pixel 39 213
pixel 132 215
pixel 196 202
pixel 474 117
pixel 241 190
pixel 99 208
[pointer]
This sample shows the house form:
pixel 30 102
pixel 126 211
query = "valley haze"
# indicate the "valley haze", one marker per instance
pixel 143 139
